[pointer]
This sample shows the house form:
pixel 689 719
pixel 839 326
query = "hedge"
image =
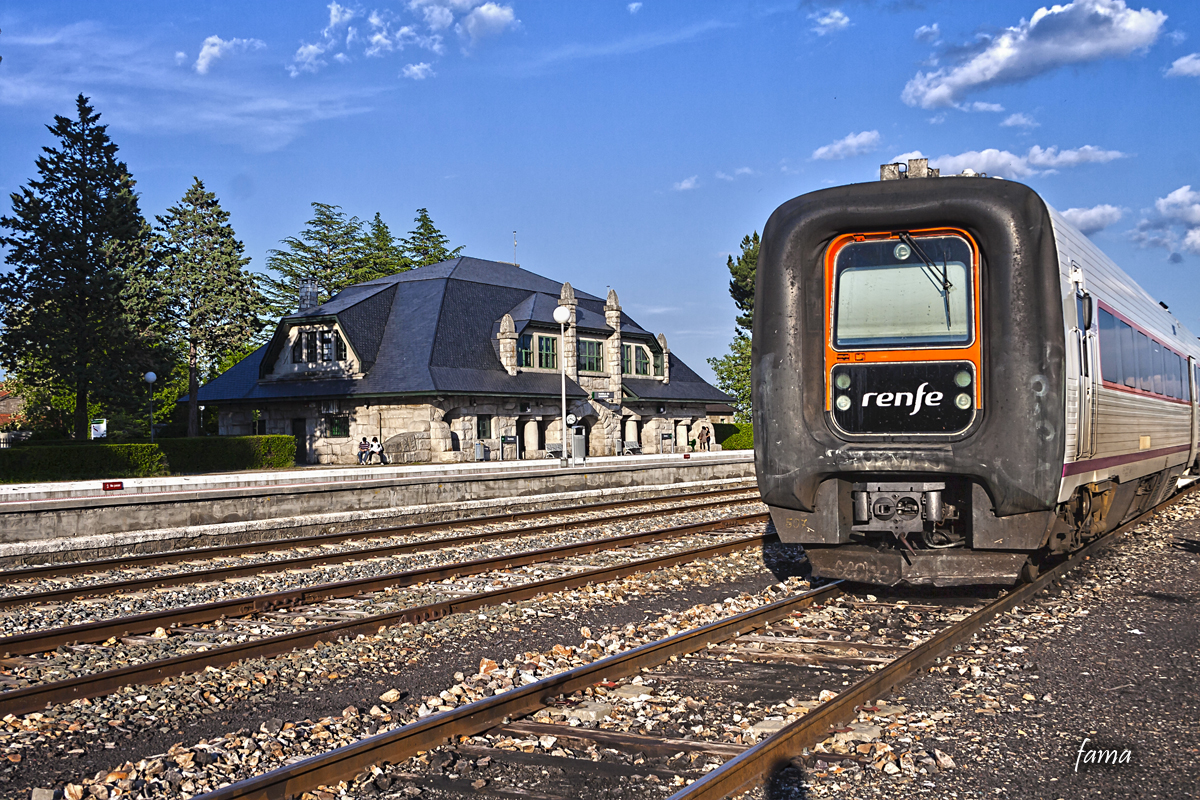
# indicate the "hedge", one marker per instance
pixel 229 453
pixel 32 464
pixel 734 436
pixel 92 461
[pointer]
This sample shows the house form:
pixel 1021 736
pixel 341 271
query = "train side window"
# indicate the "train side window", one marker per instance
pixel 1180 372
pixel 1171 376
pixel 1185 386
pixel 1129 360
pixel 1110 348
pixel 1158 367
pixel 1145 362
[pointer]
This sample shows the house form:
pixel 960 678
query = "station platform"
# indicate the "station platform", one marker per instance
pixel 58 521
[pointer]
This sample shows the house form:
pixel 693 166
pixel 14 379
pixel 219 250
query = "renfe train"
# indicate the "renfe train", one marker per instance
pixel 952 384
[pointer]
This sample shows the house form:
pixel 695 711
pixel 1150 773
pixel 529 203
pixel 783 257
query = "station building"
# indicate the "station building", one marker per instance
pixel 436 359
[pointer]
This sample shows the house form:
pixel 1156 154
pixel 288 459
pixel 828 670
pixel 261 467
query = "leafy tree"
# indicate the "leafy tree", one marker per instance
pixel 741 284
pixel 213 303
pixel 426 244
pixel 733 374
pixel 328 252
pixel 80 315
pixel 380 254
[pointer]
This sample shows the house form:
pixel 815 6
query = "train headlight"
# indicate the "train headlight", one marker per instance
pixel 902 251
pixel 842 402
pixel 842 381
pixel 962 379
pixel 963 401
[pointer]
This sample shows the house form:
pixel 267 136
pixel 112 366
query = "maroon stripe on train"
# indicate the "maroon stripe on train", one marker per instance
pixel 1076 467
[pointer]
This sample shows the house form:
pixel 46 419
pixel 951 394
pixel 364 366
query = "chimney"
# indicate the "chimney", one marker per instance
pixel 508 344
pixel 308 294
pixel 916 168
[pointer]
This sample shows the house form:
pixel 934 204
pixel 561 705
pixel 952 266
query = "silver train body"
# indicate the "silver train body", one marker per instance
pixel 953 384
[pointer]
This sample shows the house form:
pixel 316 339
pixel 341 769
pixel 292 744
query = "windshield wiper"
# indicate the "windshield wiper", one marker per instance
pixel 930 270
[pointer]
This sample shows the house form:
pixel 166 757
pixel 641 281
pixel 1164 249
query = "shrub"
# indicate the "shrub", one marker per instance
pixel 30 464
pixel 734 436
pixel 229 453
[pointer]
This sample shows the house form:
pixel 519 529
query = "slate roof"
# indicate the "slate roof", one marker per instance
pixel 432 330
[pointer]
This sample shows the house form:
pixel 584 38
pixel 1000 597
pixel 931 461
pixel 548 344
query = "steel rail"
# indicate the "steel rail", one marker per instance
pixel 763 759
pixel 397 745
pixel 43 640
pixel 301 562
pixel 34 698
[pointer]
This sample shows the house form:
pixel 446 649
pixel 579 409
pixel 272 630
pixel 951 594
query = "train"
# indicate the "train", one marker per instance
pixel 953 385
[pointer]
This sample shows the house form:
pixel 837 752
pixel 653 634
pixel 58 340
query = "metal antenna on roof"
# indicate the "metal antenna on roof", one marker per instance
pixel 514 247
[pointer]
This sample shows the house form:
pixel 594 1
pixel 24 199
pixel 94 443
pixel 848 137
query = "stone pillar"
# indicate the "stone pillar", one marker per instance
pixel 508 344
pixel 612 316
pixel 666 357
pixel 569 347
pixel 681 436
pixel 531 435
pixel 631 431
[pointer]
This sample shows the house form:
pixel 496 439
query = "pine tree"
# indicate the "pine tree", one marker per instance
pixel 80 304
pixel 328 252
pixel 213 303
pixel 426 244
pixel 741 284
pixel 380 254
pixel 733 374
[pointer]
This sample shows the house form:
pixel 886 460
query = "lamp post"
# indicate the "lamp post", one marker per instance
pixel 561 315
pixel 150 379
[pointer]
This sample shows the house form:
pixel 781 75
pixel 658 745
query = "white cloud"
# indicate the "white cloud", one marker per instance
pixel 215 47
pixel 418 72
pixel 631 44
pixel 1020 120
pixel 489 19
pixel 307 59
pixel 342 58
pixel 854 144
pixel 927 33
pixel 829 21
pixel 1011 165
pixel 145 94
pixel 438 18
pixel 1176 226
pixel 737 173
pixel 339 15
pixel 993 108
pixel 1096 218
pixel 180 58
pixel 1074 33
pixel 1186 67
pixel 687 183
pixel 634 7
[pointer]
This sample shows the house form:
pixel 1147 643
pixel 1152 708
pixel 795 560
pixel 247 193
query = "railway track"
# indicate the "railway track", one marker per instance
pixel 14 583
pixel 803 633
pixel 378 607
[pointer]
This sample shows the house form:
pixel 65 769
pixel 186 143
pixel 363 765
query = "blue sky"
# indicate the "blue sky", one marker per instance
pixel 628 144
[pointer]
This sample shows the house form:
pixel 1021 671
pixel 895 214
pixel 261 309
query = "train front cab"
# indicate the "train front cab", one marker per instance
pixel 913 424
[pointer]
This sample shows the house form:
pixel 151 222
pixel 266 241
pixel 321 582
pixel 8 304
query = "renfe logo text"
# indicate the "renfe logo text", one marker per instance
pixel 902 399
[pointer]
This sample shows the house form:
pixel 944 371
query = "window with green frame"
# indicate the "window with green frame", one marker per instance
pixel 483 427
pixel 547 352
pixel 337 426
pixel 641 361
pixel 626 358
pixel 525 350
pixel 658 364
pixel 591 355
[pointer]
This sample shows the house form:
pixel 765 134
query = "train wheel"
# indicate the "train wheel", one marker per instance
pixel 1029 572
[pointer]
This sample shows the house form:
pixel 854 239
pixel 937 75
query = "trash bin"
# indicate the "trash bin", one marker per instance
pixel 480 451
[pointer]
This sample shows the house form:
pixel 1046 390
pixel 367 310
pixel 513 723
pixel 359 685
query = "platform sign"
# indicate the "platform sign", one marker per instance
pixel 602 396
pixel 666 437
pixel 508 440
pixel 100 429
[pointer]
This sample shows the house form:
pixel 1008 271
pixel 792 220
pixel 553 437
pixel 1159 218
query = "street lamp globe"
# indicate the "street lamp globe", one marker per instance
pixel 562 314
pixel 150 377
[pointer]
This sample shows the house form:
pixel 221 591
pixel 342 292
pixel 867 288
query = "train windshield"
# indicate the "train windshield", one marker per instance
pixel 907 292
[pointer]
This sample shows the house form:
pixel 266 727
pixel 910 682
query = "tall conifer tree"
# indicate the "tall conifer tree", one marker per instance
pixel 733 369
pixel 426 244
pixel 328 252
pixel 380 254
pixel 80 309
pixel 213 302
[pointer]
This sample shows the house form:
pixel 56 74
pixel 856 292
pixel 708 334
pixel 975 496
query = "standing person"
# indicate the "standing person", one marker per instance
pixel 364 451
pixel 704 433
pixel 376 449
